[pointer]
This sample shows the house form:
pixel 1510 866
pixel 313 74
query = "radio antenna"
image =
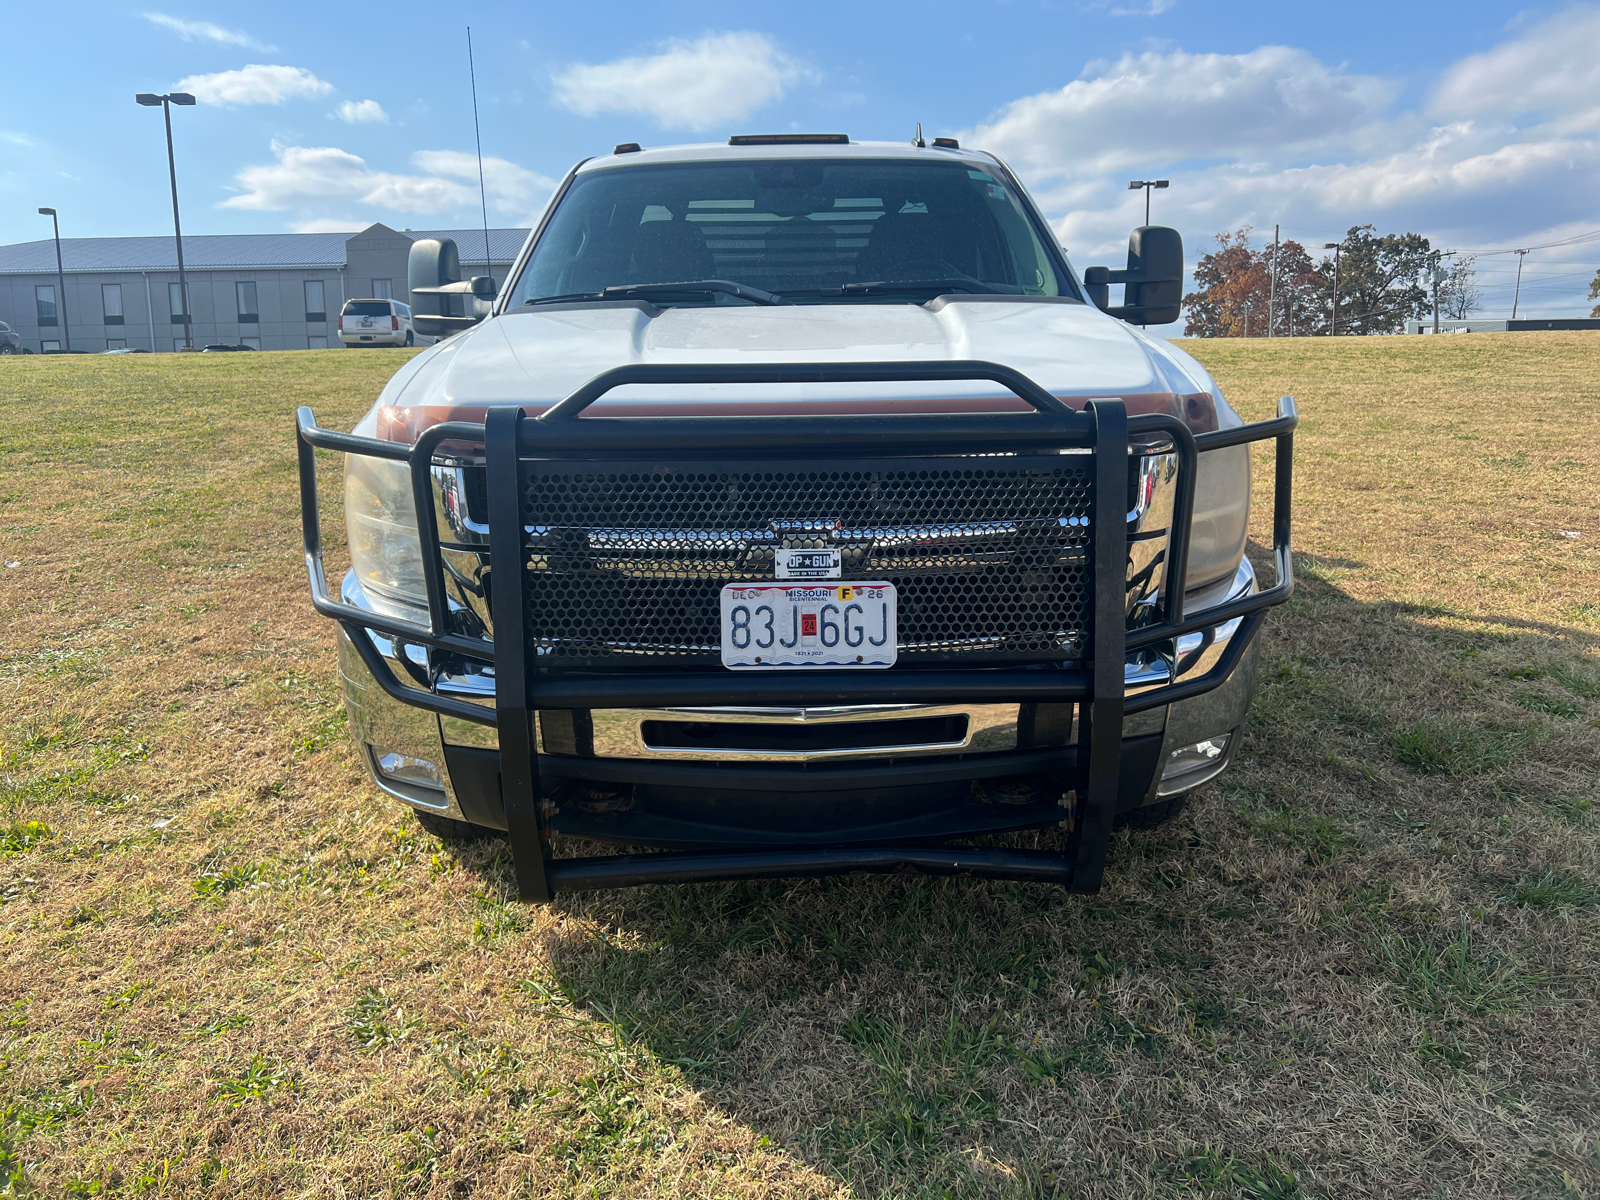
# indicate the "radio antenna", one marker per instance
pixel 483 198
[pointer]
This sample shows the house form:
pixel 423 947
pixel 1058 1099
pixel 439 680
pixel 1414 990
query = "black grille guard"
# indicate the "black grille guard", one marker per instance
pixel 509 436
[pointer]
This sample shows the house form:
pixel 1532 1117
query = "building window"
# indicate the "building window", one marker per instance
pixel 111 302
pixel 44 303
pixel 316 343
pixel 116 343
pixel 249 312
pixel 50 347
pixel 175 305
pixel 316 306
pixel 253 342
pixel 382 289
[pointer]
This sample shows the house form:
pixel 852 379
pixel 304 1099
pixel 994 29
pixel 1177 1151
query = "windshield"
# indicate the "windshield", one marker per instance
pixel 367 308
pixel 810 230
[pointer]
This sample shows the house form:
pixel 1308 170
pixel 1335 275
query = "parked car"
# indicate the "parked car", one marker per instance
pixel 224 348
pixel 376 323
pixel 795 508
pixel 10 340
pixel 126 350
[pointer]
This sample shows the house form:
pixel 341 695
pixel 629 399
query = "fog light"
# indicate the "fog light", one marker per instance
pixel 1190 766
pixel 402 768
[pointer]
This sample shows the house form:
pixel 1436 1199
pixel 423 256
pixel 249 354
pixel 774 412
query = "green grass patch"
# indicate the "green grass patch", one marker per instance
pixel 1544 704
pixel 22 836
pixel 375 1022
pixel 1438 973
pixel 1552 889
pixel 261 1078
pixel 1453 747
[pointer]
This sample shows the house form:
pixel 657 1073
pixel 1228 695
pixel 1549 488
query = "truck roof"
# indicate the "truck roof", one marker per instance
pixel 722 152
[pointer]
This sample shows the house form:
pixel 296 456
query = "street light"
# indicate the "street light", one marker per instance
pixel 1135 184
pixel 61 276
pixel 1333 328
pixel 151 100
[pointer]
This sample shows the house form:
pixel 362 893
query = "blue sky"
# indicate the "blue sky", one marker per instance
pixel 1478 126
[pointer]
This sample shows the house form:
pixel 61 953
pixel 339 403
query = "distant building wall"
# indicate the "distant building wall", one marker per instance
pixel 282 311
pixel 1472 325
pixel 282 322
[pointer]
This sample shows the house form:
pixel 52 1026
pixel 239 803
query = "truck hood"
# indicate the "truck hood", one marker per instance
pixel 537 356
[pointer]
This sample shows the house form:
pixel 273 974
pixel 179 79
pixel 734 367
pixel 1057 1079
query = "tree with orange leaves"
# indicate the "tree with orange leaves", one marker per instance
pixel 1235 291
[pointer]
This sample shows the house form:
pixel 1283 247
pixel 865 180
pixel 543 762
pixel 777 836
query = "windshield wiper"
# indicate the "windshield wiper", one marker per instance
pixel 726 286
pixel 628 291
pixel 563 299
pixel 919 285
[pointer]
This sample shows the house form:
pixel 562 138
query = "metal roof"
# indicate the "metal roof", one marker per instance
pixel 229 251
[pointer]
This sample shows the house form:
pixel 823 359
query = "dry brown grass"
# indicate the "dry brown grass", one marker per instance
pixel 1364 965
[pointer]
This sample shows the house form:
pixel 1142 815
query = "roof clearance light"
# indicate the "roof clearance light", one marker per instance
pixel 946 144
pixel 626 148
pixel 790 139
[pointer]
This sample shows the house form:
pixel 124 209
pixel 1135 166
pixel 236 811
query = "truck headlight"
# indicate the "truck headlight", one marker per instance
pixel 381 520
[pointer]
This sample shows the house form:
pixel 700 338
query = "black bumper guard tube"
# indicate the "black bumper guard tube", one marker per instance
pixel 515 446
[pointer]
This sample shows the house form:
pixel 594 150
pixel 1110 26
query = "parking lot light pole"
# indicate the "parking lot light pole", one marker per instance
pixel 1333 327
pixel 61 277
pixel 1135 184
pixel 150 100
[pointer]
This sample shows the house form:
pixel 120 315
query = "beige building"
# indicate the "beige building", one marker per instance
pixel 269 291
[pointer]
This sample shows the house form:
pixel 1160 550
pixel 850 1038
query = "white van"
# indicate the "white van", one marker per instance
pixel 376 323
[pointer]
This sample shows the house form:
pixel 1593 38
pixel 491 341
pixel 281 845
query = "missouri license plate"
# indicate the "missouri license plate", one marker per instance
pixel 774 625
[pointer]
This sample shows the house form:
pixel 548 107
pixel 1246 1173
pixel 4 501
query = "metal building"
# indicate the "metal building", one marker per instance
pixel 269 291
pixel 1477 325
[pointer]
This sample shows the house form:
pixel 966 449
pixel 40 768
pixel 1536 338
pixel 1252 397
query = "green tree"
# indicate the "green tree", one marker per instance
pixel 1378 280
pixel 1594 294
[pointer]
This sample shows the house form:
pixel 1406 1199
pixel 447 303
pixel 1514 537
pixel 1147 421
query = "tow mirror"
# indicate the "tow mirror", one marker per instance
pixel 1154 278
pixel 438 293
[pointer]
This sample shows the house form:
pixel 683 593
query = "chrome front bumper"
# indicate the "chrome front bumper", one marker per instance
pixel 1199 735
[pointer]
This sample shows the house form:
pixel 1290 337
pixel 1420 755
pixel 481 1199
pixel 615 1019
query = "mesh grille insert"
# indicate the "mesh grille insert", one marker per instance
pixel 989 555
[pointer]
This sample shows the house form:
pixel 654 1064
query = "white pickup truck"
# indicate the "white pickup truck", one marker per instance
pixel 796 508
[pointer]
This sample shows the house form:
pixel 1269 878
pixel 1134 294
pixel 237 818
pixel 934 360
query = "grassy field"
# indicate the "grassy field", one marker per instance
pixel 1365 964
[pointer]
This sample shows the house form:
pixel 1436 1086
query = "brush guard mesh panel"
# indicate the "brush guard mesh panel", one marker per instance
pixel 990 556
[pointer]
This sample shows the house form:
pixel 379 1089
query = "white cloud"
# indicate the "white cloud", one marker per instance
pixel 1276 136
pixel 1150 8
pixel 16 139
pixel 310 173
pixel 311 176
pixel 254 84
pixel 327 225
pixel 689 85
pixel 1148 108
pixel 1546 70
pixel 358 112
pixel 511 189
pixel 191 30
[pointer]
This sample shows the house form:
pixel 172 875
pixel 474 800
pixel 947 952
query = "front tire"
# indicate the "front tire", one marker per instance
pixel 448 829
pixel 8 348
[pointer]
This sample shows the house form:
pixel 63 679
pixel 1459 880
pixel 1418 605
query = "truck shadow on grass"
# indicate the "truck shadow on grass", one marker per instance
pixel 1305 981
